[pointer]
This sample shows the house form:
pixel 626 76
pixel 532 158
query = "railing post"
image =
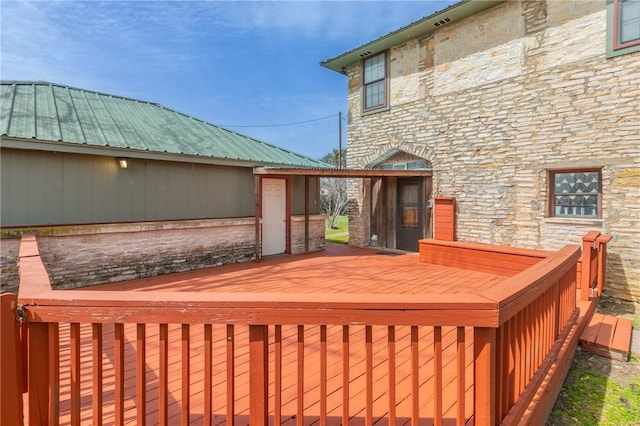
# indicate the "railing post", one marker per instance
pixel 601 242
pixel 485 370
pixel 444 218
pixel 588 246
pixel 11 383
pixel 258 375
pixel 39 373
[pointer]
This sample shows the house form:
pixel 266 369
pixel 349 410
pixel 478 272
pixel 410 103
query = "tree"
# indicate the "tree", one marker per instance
pixel 333 191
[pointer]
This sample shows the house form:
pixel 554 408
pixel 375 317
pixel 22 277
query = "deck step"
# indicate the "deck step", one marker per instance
pixel 608 336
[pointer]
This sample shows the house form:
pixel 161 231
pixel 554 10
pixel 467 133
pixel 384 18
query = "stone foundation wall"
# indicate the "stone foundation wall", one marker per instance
pixel 493 132
pixel 9 250
pixel 82 260
pixel 316 233
pixel 79 256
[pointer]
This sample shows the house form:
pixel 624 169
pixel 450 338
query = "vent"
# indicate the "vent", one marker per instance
pixel 365 54
pixel 442 22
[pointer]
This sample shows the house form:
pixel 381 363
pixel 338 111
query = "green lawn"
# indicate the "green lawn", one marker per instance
pixel 340 234
pixel 595 394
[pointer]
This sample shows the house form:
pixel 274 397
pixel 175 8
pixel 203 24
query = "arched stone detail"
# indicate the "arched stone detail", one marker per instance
pixel 381 154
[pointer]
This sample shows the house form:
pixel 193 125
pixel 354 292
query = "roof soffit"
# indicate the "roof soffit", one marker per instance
pixel 429 24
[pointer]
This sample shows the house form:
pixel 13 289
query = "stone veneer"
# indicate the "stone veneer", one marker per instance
pixel 83 255
pixel 497 100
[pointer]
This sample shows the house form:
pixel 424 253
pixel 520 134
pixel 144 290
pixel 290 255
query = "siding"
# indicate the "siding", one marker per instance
pixel 45 188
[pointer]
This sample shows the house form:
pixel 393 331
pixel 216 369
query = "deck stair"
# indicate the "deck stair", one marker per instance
pixel 608 336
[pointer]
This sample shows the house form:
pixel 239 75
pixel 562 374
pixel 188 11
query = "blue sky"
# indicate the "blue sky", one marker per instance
pixel 238 64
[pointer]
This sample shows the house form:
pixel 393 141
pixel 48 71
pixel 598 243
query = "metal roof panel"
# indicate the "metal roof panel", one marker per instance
pixel 52 112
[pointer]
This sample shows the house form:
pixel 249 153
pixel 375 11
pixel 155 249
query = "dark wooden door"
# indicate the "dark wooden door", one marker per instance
pixel 410 208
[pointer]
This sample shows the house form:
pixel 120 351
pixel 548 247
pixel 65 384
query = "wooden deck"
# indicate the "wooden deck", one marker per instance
pixel 461 333
pixel 339 270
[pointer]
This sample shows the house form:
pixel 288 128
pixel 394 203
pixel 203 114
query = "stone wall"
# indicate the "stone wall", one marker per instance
pixel 316 233
pixel 495 112
pixel 78 256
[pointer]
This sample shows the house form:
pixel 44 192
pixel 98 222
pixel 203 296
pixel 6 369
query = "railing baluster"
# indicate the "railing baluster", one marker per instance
pixel 369 374
pixel 437 375
pixel 415 377
pixel 345 374
pixel 96 397
pixel 163 379
pixel 323 375
pixel 208 372
pixel 54 373
pixel 300 397
pixel 391 339
pixel 500 368
pixel 460 370
pixel 231 396
pixel 39 365
pixel 74 347
pixel 141 372
pixel 186 374
pixel 258 375
pixel 277 414
pixel 119 372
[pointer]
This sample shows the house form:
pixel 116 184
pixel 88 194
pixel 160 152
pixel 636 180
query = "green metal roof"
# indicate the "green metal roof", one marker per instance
pixel 426 25
pixel 58 117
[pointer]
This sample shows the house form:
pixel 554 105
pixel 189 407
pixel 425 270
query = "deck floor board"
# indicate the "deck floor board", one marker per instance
pixel 339 269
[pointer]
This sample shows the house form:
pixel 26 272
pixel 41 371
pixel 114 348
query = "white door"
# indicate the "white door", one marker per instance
pixel 274 216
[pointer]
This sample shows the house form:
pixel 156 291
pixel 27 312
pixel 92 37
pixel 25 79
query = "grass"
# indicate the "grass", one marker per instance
pixel 340 233
pixel 591 397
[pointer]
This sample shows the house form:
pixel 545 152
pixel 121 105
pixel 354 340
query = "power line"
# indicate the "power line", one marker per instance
pixel 282 124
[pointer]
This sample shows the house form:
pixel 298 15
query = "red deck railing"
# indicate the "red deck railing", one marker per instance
pixel 511 336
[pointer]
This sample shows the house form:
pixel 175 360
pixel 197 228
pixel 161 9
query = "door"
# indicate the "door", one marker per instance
pixel 274 216
pixel 409 219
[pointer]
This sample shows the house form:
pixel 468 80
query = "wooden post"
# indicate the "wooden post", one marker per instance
pixel 258 375
pixel 484 366
pixel 601 242
pixel 39 373
pixel 258 192
pixel 588 246
pixel 306 214
pixel 11 363
pixel 444 218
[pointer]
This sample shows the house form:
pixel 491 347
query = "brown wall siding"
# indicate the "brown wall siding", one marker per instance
pixel 41 188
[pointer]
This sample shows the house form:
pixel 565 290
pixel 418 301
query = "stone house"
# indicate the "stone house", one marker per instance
pixel 526 111
pixel 117 188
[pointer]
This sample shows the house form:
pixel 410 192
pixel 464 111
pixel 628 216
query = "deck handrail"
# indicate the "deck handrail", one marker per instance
pixel 521 319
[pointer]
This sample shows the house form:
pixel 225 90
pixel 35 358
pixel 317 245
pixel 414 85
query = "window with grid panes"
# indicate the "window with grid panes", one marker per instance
pixel 576 194
pixel 375 82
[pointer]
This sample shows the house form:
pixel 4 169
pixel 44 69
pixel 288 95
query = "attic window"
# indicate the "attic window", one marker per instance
pixel 442 22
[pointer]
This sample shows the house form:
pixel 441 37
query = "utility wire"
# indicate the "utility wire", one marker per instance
pixel 280 125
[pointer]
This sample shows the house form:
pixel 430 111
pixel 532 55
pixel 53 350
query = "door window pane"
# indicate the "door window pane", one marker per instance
pixel 409 206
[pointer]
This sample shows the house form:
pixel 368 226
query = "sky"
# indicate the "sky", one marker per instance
pixel 250 66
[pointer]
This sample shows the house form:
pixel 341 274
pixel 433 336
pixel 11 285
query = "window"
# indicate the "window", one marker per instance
pixel 576 194
pixel 623 26
pixel 375 82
